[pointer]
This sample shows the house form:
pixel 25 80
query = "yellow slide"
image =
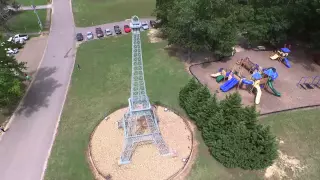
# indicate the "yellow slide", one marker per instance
pixel 274 57
pixel 258 95
pixel 215 75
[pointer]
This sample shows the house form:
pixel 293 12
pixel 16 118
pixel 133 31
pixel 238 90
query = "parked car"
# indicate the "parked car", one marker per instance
pixel 127 28
pixel 89 35
pixel 79 37
pixel 19 38
pixel 154 24
pixel 12 51
pixel 145 26
pixel 108 32
pixel 99 32
pixel 117 29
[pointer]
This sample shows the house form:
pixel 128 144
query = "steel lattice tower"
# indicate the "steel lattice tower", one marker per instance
pixel 140 123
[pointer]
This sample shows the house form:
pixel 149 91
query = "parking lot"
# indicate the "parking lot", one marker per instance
pixel 110 26
pixel 32 53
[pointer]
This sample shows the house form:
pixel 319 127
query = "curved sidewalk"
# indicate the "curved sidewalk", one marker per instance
pixel 24 148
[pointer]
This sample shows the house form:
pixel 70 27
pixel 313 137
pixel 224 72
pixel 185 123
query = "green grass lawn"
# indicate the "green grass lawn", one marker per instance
pixel 101 86
pixel 30 2
pixel 26 21
pixel 95 12
pixel 300 134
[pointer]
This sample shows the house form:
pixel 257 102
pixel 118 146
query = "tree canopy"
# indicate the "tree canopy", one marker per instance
pixel 11 77
pixel 216 25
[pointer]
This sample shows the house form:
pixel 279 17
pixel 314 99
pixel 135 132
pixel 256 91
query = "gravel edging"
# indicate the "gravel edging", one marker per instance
pixel 98 174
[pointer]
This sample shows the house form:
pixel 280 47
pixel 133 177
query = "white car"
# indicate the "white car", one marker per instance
pixel 108 32
pixel 89 35
pixel 18 38
pixel 12 51
pixel 145 26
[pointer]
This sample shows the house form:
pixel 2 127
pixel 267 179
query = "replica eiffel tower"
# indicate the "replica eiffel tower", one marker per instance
pixel 140 123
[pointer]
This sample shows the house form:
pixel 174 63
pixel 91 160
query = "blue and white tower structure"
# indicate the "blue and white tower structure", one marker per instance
pixel 140 110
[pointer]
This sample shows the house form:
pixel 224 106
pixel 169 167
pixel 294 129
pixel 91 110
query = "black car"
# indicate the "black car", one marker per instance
pixel 99 32
pixel 117 29
pixel 79 37
pixel 154 24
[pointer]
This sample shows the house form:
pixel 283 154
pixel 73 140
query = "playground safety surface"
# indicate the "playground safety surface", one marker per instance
pixel 292 96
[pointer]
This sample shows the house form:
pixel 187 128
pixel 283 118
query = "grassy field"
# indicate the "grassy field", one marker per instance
pixel 101 86
pixel 30 2
pixel 89 13
pixel 26 21
pixel 299 136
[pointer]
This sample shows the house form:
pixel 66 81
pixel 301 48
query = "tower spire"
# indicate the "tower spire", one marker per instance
pixel 140 123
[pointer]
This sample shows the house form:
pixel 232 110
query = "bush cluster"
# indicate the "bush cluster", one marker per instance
pixel 232 133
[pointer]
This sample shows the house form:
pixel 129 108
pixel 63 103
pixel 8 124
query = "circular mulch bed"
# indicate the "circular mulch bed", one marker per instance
pixel 146 164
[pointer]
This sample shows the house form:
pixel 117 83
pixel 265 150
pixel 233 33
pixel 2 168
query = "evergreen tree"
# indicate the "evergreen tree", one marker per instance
pixel 230 131
pixel 185 92
pixel 207 110
pixel 196 101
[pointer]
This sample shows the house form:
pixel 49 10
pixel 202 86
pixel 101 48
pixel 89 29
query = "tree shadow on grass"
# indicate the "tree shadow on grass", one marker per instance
pixel 41 89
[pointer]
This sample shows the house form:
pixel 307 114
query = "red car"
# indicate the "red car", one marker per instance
pixel 127 29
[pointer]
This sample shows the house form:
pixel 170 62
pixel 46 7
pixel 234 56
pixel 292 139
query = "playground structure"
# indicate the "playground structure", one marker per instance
pixel 282 56
pixel 309 82
pixel 249 65
pixel 260 78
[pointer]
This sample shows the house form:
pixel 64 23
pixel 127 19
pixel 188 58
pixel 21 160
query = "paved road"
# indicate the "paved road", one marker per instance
pixel 24 148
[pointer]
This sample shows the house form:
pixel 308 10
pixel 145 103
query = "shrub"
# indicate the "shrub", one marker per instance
pixel 186 91
pixel 230 131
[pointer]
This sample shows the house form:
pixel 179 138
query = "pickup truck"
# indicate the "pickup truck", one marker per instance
pixel 18 38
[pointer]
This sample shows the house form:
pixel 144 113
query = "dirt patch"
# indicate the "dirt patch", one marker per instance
pixel 285 167
pixel 154 35
pixel 146 163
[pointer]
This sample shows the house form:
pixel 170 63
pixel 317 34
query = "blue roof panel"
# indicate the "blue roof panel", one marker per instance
pixel 285 50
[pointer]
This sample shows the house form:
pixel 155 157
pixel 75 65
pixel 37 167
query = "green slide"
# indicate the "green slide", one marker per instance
pixel 219 78
pixel 270 84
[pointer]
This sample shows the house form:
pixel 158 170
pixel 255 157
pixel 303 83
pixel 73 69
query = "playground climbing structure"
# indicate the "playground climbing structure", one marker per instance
pixel 260 78
pixel 140 123
pixel 282 56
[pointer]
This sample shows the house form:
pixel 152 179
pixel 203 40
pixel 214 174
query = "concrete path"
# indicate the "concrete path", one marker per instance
pixel 29 8
pixel 25 146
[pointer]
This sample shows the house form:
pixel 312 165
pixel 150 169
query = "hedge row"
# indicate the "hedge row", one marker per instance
pixel 231 132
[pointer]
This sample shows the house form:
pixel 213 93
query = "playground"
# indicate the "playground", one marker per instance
pixel 274 81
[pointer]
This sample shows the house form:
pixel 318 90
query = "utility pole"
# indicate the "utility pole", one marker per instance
pixel 35 11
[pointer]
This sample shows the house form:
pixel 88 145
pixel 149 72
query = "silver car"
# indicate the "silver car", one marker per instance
pixel 89 35
pixel 108 32
pixel 145 26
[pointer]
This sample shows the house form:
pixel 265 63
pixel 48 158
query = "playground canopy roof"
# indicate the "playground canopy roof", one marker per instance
pixel 256 76
pixel 285 50
pixel 271 73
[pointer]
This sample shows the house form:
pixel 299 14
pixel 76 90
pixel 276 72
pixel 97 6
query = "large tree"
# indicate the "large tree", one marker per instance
pixel 11 78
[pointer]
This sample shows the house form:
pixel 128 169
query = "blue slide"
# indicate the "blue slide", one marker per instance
pixel 229 84
pixel 286 62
